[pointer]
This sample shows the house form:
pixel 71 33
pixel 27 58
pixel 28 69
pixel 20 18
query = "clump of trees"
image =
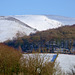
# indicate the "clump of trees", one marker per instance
pixel 64 32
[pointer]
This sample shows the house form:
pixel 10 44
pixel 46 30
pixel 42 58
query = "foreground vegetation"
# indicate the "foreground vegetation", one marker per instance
pixel 9 60
pixel 12 62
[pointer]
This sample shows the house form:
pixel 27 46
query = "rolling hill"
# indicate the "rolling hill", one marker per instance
pixel 26 24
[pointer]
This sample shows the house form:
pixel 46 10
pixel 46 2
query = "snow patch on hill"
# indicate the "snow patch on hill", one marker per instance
pixel 39 22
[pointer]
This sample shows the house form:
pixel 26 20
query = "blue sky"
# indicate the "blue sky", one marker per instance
pixel 37 7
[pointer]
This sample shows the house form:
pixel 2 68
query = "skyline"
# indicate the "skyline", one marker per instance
pixel 38 7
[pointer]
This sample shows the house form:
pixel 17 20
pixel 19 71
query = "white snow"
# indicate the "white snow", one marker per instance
pixel 47 56
pixel 66 62
pixel 9 29
pixel 10 26
pixel 39 22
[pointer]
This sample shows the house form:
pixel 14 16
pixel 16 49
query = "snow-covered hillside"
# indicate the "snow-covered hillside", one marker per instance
pixel 9 27
pixel 62 19
pixel 39 22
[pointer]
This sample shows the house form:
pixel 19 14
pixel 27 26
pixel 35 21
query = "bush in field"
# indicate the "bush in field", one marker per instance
pixel 35 64
pixel 9 60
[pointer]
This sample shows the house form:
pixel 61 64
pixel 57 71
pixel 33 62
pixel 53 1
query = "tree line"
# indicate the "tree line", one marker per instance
pixel 62 37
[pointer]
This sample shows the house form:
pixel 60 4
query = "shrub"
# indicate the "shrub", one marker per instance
pixel 9 60
pixel 37 64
